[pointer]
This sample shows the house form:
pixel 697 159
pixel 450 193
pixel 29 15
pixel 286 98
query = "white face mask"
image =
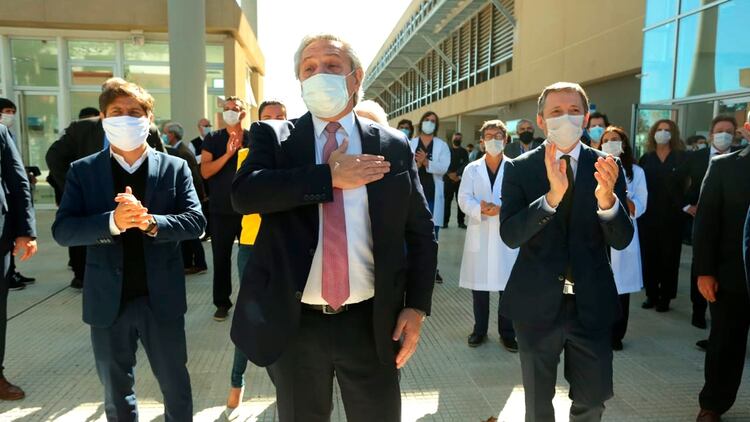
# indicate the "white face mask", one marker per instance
pixel 7 119
pixel 326 95
pixel 494 147
pixel 662 136
pixel 613 148
pixel 231 117
pixel 722 141
pixel 428 127
pixel 564 131
pixel 125 132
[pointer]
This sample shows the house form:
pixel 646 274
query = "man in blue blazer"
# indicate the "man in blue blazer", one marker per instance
pixel 131 206
pixel 563 204
pixel 17 234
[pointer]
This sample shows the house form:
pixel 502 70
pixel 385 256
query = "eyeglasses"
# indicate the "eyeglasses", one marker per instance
pixel 499 137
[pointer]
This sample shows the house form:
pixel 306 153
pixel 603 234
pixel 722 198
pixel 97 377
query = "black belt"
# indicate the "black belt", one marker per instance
pixel 328 310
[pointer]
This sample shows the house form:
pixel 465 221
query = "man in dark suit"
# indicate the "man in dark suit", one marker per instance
pixel 131 206
pixel 525 142
pixel 452 179
pixel 17 238
pixel 81 139
pixel 746 248
pixel 563 204
pixel 204 128
pixel 718 257
pixel 345 259
pixel 720 136
pixel 193 256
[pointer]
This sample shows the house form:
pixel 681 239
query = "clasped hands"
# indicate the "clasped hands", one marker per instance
pixel 353 171
pixel 130 213
pixel 421 158
pixel 606 175
pixel 489 209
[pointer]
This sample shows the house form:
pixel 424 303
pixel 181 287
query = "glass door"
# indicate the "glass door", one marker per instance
pixel 643 117
pixel 39 128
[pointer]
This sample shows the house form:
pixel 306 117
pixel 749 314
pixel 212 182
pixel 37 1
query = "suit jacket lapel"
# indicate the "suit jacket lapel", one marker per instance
pixel 370 137
pixel 154 162
pixel 104 170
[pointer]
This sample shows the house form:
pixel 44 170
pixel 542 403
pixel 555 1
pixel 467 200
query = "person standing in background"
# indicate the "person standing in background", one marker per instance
pixel 598 122
pixel 452 179
pixel 525 142
pixel 218 166
pixel 406 127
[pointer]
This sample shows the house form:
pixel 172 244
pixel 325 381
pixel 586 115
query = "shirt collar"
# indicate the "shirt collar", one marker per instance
pixel 715 151
pixel 124 164
pixel 574 153
pixel 346 122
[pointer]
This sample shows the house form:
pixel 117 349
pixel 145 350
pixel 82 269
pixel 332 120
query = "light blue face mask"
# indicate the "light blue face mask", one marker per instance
pixel 164 139
pixel 405 131
pixel 596 133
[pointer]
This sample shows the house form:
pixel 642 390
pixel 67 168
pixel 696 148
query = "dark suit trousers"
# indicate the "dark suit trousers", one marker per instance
pixel 725 356
pixel 78 261
pixel 699 302
pixel 4 265
pixel 450 189
pixel 343 346
pixel 661 245
pixel 588 365
pixel 482 316
pixel 164 342
pixel 621 325
pixel 193 254
pixel 225 229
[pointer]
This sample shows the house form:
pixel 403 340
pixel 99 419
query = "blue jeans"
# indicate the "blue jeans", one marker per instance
pixel 240 360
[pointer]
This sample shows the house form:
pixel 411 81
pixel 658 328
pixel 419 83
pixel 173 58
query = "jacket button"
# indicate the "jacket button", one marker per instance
pixel 561 277
pixel 298 295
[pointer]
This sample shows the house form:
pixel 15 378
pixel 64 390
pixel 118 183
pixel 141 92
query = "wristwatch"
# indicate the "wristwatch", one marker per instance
pixel 151 226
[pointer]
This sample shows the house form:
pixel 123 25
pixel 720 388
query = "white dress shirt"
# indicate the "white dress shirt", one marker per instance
pixel 358 231
pixel 113 229
pixel 605 215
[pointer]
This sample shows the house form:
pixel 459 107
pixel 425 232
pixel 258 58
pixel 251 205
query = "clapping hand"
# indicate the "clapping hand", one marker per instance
pixel 353 171
pixel 421 158
pixel 606 174
pixel 556 175
pixel 489 209
pixel 130 213
pixel 234 143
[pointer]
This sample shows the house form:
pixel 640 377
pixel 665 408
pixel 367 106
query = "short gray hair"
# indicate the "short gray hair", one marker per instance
pixel 309 39
pixel 175 129
pixel 562 86
pixel 493 124
pixel 521 121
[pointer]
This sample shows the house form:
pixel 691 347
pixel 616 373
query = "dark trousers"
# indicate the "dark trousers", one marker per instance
pixel 225 229
pixel 621 325
pixel 342 345
pixel 237 377
pixel 193 254
pixel 482 316
pixel 4 265
pixel 699 302
pixel 661 247
pixel 78 261
pixel 588 365
pixel 450 189
pixel 725 356
pixel 164 342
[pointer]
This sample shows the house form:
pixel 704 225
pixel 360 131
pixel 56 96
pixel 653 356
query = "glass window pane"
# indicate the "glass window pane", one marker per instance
pixel 39 126
pixel 709 58
pixel 215 78
pixel 34 62
pixel 659 10
pixel 79 100
pixel 151 52
pixel 214 108
pixel 90 75
pixel 215 54
pixel 690 5
pixel 162 108
pixel 91 50
pixel 148 76
pixel 658 63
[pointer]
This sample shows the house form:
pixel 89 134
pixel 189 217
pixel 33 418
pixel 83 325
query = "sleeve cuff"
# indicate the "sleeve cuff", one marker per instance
pixel 686 207
pixel 546 206
pixel 113 229
pixel 607 215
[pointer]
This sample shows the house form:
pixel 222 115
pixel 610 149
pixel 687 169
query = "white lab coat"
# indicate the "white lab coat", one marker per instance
pixel 487 261
pixel 441 160
pixel 626 264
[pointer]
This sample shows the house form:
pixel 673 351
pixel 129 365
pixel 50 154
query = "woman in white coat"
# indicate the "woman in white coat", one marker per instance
pixel 626 264
pixel 487 261
pixel 433 159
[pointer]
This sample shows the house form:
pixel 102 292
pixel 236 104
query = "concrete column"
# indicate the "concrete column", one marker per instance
pixel 187 62
pixel 63 98
pixel 6 66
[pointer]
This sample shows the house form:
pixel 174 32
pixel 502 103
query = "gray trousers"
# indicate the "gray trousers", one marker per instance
pixel 588 365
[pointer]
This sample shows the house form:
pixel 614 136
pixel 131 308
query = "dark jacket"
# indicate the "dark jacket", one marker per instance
pixel 81 139
pixel 513 149
pixel 282 182
pixel 17 217
pixel 720 220
pixel 182 151
pixel 534 292
pixel 83 220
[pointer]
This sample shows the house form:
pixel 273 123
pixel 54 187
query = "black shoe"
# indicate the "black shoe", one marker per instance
pixel 662 306
pixel 699 321
pixel 221 313
pixel 438 279
pixel 648 304
pixel 461 226
pixel 702 345
pixel 201 270
pixel 476 339
pixel 510 344
pixel 15 284
pixel 76 283
pixel 617 345
pixel 23 279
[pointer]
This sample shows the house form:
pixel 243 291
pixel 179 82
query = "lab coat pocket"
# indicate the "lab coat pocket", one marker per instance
pixel 473 233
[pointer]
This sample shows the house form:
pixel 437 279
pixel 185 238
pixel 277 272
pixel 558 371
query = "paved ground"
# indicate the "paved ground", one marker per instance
pixel 657 376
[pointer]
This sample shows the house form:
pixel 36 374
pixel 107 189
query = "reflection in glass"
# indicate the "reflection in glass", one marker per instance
pixel 658 63
pixel 90 75
pixel 34 62
pixel 79 100
pixel 148 76
pixel 659 10
pixel 91 50
pixel 39 127
pixel 149 52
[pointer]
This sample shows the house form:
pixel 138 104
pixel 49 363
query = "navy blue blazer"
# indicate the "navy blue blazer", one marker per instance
pixel 281 180
pixel 746 248
pixel 534 292
pixel 83 220
pixel 16 211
